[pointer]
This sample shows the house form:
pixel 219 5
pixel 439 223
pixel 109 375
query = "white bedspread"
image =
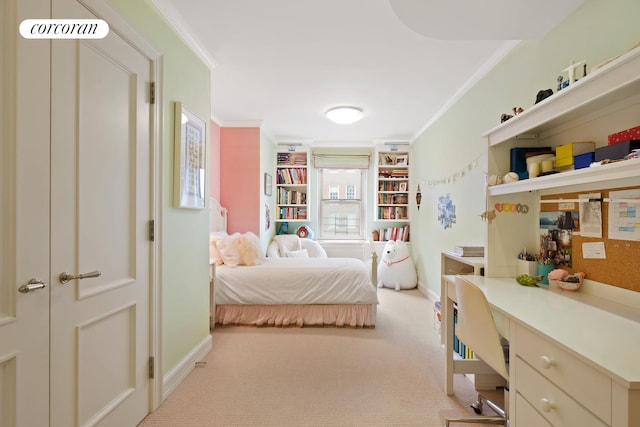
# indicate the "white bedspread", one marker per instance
pixel 296 281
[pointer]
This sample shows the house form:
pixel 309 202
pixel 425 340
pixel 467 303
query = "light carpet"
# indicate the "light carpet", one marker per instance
pixel 388 376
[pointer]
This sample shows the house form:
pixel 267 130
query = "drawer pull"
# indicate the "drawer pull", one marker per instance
pixel 547 405
pixel 547 362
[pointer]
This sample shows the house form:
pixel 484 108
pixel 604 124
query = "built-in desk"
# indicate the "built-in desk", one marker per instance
pixel 574 357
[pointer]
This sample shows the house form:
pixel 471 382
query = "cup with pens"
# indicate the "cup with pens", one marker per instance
pixel 527 263
pixel 545 266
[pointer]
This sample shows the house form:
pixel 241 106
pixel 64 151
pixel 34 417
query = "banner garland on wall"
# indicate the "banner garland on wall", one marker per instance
pixel 451 179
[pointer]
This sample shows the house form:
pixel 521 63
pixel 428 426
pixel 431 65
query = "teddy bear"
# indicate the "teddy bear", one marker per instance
pixel 396 269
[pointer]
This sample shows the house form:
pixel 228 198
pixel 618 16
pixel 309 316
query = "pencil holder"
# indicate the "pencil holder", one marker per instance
pixel 527 267
pixel 544 270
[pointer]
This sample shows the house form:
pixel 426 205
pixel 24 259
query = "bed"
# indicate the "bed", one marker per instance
pixel 288 290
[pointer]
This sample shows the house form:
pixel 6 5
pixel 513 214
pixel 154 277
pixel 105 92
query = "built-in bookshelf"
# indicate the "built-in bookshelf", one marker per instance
pixel 292 184
pixel 392 183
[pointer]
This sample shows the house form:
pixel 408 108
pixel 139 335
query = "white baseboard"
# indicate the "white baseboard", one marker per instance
pixel 179 372
pixel 431 296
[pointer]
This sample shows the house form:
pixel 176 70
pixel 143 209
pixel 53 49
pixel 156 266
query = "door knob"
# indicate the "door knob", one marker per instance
pixel 33 285
pixel 66 277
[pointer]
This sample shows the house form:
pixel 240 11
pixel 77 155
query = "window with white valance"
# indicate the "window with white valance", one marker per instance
pixel 342 179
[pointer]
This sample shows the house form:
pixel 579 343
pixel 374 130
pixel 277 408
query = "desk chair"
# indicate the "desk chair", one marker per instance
pixel 477 329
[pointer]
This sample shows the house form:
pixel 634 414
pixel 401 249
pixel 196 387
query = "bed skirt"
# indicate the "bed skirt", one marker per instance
pixel 283 315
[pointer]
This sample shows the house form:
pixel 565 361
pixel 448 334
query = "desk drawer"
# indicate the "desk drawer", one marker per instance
pixel 585 384
pixel 526 415
pixel 557 407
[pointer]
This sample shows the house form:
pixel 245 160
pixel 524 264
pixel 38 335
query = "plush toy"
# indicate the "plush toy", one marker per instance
pixel 396 269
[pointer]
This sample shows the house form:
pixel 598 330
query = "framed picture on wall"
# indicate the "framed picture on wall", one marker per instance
pixel 189 171
pixel 268 183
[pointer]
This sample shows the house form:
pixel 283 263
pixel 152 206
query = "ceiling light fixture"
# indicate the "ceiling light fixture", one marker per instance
pixel 344 115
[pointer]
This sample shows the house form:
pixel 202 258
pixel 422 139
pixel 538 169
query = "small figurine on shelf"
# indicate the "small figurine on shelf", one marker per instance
pixel 284 228
pixel 543 94
pixel 517 110
pixel 571 72
pixel 505 117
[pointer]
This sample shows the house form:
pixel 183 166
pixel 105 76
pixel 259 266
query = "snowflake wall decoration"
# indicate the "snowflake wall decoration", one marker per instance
pixel 446 211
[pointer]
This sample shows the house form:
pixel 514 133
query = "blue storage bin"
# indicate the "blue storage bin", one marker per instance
pixel 583 160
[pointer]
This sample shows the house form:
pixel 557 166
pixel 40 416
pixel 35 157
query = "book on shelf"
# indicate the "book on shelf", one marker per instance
pixel 474 251
pixel 399 234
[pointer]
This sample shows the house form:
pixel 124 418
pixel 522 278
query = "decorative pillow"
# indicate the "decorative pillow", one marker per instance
pixel 248 245
pixel 229 250
pixel 214 253
pixel 302 253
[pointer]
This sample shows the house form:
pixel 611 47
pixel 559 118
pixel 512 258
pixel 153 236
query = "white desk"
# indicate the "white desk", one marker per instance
pixel 574 358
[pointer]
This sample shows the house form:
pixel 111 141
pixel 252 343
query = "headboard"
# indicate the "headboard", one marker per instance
pixel 217 216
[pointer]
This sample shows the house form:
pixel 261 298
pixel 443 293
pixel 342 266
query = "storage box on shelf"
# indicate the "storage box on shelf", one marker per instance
pixel 292 185
pixel 392 184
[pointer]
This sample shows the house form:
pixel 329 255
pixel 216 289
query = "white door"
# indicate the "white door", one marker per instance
pixel 24 219
pixel 100 212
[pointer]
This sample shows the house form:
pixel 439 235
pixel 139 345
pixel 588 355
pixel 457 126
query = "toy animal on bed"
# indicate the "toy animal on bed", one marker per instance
pixel 396 269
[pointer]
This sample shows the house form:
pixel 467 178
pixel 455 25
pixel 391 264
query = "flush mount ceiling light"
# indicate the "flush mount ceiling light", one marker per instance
pixel 344 115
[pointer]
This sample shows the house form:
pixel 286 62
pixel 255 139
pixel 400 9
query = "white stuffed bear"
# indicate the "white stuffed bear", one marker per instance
pixel 396 269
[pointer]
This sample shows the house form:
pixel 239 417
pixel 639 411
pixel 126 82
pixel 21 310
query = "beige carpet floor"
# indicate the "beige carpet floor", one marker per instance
pixel 388 376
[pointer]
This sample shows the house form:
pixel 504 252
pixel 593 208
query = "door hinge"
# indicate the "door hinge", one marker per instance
pixel 152 230
pixel 152 93
pixel 151 367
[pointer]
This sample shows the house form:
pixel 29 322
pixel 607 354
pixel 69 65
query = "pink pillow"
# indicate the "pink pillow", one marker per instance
pixel 214 253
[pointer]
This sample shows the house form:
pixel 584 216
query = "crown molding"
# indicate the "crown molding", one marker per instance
pixel 170 14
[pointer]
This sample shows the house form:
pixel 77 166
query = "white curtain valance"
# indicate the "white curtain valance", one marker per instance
pixel 341 161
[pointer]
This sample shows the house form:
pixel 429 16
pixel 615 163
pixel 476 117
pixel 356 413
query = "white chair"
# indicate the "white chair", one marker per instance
pixel 289 245
pixel 476 327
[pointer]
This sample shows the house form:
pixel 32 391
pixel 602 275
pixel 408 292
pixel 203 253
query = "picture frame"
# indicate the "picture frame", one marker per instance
pixel 268 184
pixel 402 186
pixel 190 156
pixel 402 160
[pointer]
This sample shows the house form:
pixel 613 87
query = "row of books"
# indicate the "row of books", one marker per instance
pixel 291 197
pixel 391 212
pixel 393 199
pixel 291 176
pixel 292 213
pixel 393 173
pixel 393 185
pixel 399 234
pixel 287 159
pixel 458 346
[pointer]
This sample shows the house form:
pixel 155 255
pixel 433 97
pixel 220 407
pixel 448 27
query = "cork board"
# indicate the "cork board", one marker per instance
pixel 620 267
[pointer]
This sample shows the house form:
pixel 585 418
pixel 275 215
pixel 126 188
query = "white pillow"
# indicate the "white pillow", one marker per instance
pixel 229 250
pixel 248 245
pixel 302 253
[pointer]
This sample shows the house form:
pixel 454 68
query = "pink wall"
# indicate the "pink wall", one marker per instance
pixel 240 178
pixel 214 161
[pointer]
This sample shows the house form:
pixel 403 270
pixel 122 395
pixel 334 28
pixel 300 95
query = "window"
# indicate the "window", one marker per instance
pixel 351 192
pixel 342 208
pixel 334 191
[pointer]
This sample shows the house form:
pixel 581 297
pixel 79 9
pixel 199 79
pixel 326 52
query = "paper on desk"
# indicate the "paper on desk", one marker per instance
pixel 593 250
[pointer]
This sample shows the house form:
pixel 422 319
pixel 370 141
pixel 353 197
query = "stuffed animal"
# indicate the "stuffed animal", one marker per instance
pixel 396 269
